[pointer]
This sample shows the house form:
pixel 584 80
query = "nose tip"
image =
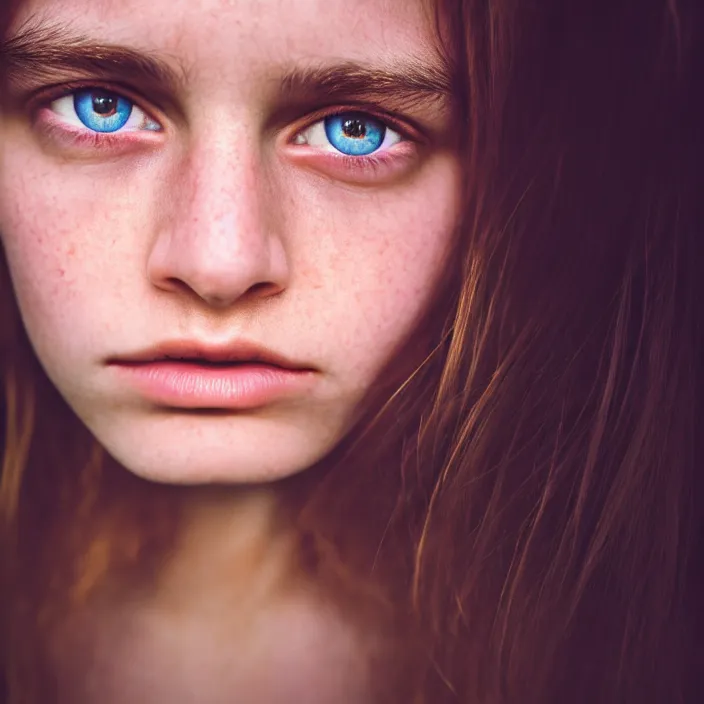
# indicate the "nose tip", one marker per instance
pixel 219 286
pixel 223 239
pixel 220 260
pixel 215 298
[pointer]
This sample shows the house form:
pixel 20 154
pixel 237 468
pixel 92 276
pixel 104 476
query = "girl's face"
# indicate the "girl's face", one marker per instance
pixel 265 180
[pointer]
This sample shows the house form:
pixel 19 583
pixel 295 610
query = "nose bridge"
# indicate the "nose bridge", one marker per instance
pixel 217 241
pixel 219 219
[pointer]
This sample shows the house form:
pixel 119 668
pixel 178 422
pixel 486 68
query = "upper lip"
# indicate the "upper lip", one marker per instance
pixel 186 350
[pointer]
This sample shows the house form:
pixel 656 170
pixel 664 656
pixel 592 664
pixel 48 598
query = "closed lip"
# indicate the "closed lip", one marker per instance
pixel 237 352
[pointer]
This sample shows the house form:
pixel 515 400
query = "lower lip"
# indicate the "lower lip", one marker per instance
pixel 239 387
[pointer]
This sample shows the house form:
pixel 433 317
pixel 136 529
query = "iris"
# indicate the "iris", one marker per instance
pixel 355 135
pixel 101 111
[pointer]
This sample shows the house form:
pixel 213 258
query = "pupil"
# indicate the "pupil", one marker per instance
pixel 354 128
pixel 104 104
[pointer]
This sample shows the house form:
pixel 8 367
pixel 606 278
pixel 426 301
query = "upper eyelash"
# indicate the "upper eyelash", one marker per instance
pixel 367 111
pixel 48 95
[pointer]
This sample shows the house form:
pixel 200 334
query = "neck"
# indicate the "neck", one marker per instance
pixel 235 548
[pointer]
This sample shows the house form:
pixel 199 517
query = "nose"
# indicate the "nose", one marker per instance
pixel 217 236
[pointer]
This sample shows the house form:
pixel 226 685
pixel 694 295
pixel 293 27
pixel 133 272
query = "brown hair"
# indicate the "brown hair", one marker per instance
pixel 532 501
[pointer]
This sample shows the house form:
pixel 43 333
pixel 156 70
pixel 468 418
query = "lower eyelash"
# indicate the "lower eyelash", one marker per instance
pixel 372 162
pixel 377 162
pixel 85 138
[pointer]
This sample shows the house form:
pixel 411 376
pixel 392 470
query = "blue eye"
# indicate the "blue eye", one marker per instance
pixel 349 133
pixel 101 111
pixel 355 135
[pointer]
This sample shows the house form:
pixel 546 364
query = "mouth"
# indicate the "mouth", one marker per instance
pixel 209 363
pixel 239 377
pixel 236 354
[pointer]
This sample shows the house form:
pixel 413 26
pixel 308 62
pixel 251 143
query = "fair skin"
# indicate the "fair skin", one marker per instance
pixel 221 212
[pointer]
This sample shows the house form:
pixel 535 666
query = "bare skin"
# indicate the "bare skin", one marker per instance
pixel 222 213
pixel 232 619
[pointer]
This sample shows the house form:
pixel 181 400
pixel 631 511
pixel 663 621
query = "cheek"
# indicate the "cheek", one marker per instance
pixel 364 263
pixel 379 258
pixel 48 239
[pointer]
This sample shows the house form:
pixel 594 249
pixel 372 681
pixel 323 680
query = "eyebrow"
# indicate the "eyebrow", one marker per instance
pixel 407 84
pixel 39 52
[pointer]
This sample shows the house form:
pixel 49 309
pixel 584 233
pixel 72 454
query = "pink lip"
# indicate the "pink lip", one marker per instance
pixel 239 386
pixel 236 351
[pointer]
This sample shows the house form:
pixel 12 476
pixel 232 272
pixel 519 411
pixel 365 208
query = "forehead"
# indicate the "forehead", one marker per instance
pixel 270 31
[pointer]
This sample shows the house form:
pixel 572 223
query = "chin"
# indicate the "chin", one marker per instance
pixel 241 453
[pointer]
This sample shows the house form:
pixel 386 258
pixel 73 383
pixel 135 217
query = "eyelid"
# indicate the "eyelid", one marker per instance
pixel 45 96
pixel 403 127
pixel 411 135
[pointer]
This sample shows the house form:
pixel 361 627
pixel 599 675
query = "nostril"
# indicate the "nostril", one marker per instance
pixel 263 289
